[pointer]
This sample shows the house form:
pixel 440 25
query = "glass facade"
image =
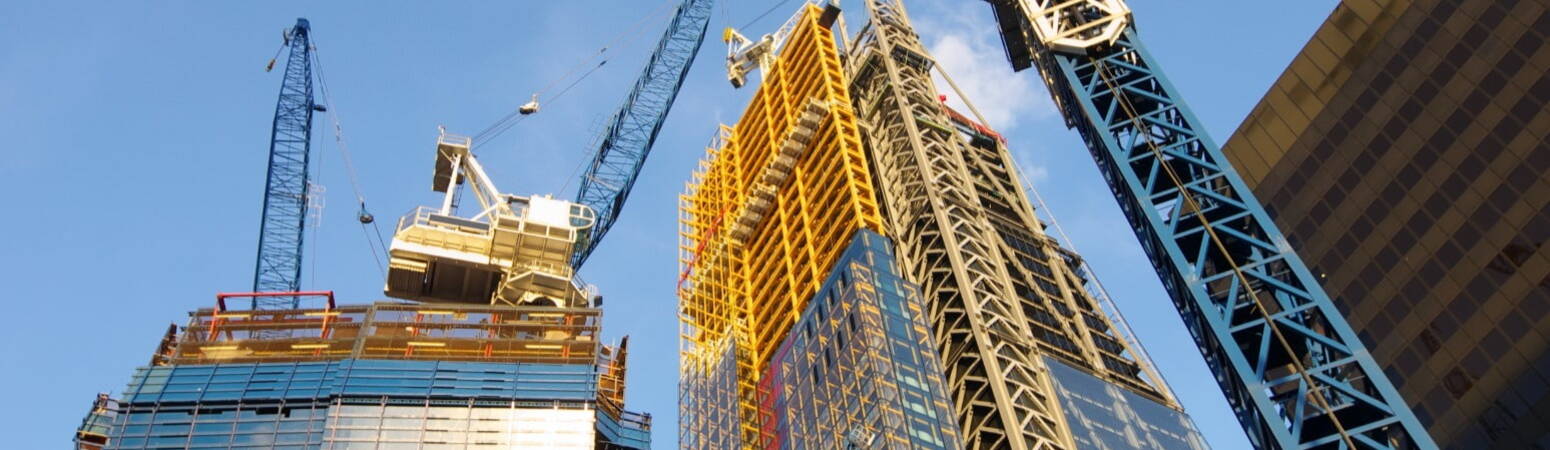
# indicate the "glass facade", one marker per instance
pixel 708 398
pixel 1404 151
pixel 858 367
pixel 368 404
pixel 377 376
pixel 94 429
pixel 1104 416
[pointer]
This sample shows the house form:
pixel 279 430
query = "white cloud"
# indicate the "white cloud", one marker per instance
pixel 973 57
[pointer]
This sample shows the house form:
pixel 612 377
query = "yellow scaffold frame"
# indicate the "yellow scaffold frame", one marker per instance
pixel 770 208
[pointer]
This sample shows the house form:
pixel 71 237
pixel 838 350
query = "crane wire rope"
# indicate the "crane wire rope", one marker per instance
pixel 639 28
pixel 766 12
pixel 516 116
pixel 344 152
pixel 1108 302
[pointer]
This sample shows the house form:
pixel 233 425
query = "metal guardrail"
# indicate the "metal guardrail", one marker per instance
pixel 453 139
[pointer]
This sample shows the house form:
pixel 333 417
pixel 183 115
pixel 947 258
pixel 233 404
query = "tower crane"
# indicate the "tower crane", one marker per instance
pixel 1292 369
pixel 286 185
pixel 607 181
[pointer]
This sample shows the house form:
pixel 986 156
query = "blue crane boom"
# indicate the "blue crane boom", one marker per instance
pixel 1292 369
pixel 285 187
pixel 630 134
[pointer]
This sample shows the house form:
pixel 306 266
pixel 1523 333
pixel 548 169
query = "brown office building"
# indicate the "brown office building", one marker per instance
pixel 1404 153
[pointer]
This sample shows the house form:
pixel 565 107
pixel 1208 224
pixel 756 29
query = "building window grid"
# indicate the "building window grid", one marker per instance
pixel 1495 128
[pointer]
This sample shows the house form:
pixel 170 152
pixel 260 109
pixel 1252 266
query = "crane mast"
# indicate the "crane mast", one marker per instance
pixel 633 129
pixel 286 188
pixel 1293 370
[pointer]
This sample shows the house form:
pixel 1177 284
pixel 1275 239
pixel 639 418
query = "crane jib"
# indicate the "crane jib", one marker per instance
pixel 1294 370
pixel 283 223
pixel 628 139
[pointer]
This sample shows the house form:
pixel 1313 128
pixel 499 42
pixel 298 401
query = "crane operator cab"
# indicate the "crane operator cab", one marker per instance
pixel 514 250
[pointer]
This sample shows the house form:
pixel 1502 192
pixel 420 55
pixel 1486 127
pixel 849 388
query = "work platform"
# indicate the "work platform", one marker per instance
pixel 386 330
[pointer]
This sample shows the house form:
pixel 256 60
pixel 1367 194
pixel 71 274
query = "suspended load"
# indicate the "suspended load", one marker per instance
pixel 530 107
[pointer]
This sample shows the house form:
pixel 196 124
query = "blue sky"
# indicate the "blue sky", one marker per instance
pixel 136 138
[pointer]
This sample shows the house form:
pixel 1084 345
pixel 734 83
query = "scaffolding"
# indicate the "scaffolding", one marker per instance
pixel 771 207
pixel 98 424
pixel 384 330
pixel 610 382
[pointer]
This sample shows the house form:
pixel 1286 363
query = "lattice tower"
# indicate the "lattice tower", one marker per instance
pixel 1052 288
pixel 1000 292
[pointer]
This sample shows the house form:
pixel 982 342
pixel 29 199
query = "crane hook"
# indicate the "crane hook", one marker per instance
pixel 363 216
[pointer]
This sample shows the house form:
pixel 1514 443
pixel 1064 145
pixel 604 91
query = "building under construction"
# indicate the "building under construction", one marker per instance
pixel 498 348
pixel 495 342
pixel 846 140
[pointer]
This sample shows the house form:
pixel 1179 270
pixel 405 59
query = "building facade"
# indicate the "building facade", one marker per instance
pixel 1002 296
pixel 859 364
pixel 836 152
pixel 387 375
pixel 773 205
pixel 1404 152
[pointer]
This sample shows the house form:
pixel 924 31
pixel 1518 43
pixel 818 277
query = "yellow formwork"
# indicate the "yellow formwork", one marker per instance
pixel 752 284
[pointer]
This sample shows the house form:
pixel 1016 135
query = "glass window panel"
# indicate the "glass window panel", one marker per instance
pixel 169 429
pixel 294 425
pixel 136 442
pixel 400 435
pixel 403 423
pixel 213 439
pixel 360 411
pixel 174 441
pixel 357 422
pixel 230 378
pixel 211 428
pixel 253 439
pixel 290 438
pixel 255 427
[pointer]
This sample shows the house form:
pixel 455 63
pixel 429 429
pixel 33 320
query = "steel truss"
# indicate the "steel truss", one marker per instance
pixel 1292 369
pixel 624 145
pixel 1002 395
pixel 285 187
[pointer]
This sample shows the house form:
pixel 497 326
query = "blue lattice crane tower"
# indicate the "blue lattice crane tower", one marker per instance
pixel 1294 372
pixel 633 129
pixel 286 185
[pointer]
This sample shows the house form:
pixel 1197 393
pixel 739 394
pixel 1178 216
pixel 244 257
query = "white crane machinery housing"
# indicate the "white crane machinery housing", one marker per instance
pixel 1072 26
pixel 744 55
pixel 515 251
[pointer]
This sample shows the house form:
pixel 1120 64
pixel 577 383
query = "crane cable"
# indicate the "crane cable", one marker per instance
pixel 516 116
pixel 766 12
pixel 363 216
